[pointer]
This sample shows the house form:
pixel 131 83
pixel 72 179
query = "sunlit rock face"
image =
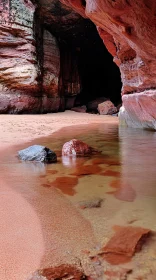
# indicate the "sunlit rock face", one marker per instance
pixel 19 70
pixel 38 69
pixel 128 29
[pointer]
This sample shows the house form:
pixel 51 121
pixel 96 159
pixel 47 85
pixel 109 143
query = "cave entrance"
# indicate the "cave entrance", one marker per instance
pixel 100 77
pixel 87 69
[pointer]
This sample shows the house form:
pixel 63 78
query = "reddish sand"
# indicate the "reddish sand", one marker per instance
pixel 17 129
pixel 37 229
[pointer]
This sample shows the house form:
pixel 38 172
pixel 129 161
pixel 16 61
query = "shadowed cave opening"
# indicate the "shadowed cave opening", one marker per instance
pixel 85 60
pixel 99 75
pixel 87 70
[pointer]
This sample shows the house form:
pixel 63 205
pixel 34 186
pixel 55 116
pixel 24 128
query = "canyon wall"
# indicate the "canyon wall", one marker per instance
pixel 128 28
pixel 19 70
pixel 30 80
pixel 51 73
pixel 38 69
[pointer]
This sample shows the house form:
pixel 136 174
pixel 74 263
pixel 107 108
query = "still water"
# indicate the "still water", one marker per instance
pixel 123 177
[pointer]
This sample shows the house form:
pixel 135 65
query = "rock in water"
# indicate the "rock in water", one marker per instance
pixel 107 108
pixel 77 148
pixel 124 244
pixel 38 153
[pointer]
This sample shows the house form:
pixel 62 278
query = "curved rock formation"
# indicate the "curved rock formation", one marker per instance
pixel 127 28
pixel 31 78
pixel 39 71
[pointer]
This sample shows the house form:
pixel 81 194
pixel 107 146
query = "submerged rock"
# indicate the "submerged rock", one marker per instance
pixel 107 108
pixel 77 148
pixel 38 153
pixel 124 244
pixel 93 203
pixel 63 271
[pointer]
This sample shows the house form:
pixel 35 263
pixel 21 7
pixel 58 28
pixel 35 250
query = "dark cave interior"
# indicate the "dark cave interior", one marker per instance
pixel 85 62
pixel 98 74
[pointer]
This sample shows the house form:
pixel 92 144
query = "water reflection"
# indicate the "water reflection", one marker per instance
pixel 69 161
pixel 36 168
pixel 138 149
pixel 123 176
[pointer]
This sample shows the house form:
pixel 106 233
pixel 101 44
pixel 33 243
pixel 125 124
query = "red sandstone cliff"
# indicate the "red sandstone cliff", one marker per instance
pixel 18 65
pixel 128 29
pixel 31 80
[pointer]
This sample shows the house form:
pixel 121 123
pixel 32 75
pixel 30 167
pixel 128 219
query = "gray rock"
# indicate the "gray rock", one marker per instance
pixel 37 153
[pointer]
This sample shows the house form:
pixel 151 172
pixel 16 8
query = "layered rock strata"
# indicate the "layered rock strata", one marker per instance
pixel 127 28
pixel 31 77
pixel 19 71
pixel 51 73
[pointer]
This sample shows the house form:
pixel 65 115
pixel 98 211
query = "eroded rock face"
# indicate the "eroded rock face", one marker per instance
pixel 51 72
pixel 30 76
pixel 19 71
pixel 127 29
pixel 139 110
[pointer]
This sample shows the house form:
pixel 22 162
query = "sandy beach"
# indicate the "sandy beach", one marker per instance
pixel 37 229
pixel 17 129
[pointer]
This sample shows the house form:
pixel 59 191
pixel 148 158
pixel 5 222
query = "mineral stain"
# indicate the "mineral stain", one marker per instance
pixel 65 184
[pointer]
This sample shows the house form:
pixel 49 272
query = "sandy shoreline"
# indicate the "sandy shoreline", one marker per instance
pixel 43 227
pixel 37 228
pixel 18 129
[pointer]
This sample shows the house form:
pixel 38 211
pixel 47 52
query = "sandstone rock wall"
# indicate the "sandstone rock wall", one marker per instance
pixel 51 73
pixel 70 83
pixel 30 78
pixel 127 28
pixel 18 66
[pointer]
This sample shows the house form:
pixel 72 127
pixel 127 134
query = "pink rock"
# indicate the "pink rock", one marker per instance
pixel 139 110
pixel 18 64
pixel 77 148
pixel 124 29
pixel 107 108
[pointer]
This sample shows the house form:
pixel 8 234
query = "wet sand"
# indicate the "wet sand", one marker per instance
pixel 18 129
pixel 33 234
pixel 47 218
